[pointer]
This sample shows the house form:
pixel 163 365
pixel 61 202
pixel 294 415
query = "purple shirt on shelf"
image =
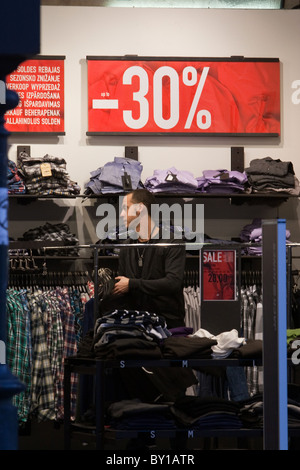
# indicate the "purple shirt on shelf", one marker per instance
pixel 171 180
pixel 222 181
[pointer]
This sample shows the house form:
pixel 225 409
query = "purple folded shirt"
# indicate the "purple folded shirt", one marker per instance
pixel 171 180
pixel 222 181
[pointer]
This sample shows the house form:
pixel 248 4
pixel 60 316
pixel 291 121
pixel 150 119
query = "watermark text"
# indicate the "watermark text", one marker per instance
pixel 178 221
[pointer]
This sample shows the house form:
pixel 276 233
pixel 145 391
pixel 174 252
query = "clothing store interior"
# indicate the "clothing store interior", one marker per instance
pixel 150 226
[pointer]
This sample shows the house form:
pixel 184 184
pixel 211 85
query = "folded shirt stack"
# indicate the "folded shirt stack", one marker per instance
pixel 188 347
pixel 252 233
pixel 226 342
pixel 252 410
pixel 135 414
pixel 15 183
pixel 59 233
pixel 207 413
pixel 129 333
pixel 222 182
pixel 268 175
pixel 46 176
pixel 171 180
pixel 120 175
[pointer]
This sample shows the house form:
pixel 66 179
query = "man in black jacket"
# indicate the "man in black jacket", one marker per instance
pixel 150 279
pixel 150 276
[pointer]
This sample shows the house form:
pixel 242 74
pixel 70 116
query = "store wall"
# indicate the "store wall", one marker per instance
pixel 80 31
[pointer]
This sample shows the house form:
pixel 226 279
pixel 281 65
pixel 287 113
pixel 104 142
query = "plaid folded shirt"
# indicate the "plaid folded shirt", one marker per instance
pixel 25 160
pixel 59 183
pixel 37 180
pixel 55 233
pixel 72 190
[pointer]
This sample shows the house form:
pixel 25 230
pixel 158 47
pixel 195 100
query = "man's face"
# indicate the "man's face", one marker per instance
pixel 129 210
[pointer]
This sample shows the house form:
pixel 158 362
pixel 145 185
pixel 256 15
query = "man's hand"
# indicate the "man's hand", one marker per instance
pixel 121 286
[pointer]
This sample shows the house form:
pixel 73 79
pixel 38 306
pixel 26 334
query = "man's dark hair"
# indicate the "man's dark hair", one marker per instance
pixel 144 196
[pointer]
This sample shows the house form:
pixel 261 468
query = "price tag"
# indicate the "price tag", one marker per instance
pixel 46 169
pixel 126 181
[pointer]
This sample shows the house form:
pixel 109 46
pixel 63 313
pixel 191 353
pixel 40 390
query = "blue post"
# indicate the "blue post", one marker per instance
pixel 282 343
pixel 274 335
pixel 9 384
pixel 20 22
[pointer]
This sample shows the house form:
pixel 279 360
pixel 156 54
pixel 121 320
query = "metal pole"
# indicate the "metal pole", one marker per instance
pixel 289 285
pixel 96 301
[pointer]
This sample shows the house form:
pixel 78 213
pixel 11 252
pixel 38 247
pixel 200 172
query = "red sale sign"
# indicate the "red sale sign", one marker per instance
pixel 183 96
pixel 219 275
pixel 39 83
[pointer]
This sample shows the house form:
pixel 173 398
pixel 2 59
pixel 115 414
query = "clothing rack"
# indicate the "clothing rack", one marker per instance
pixel 23 265
pixel 50 280
pixel 94 249
pixel 275 432
pixel 250 277
pixel 24 270
pixel 191 278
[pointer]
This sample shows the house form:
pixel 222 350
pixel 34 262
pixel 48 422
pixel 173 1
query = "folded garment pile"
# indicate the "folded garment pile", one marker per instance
pixel 252 233
pixel 128 333
pixel 223 182
pixel 135 414
pixel 46 176
pixel 120 175
pixel 225 342
pixel 58 233
pixel 252 409
pixel 268 175
pixel 171 180
pixel 140 334
pixel 188 347
pixel 207 413
pixel 197 413
pixel 251 412
pixel 15 183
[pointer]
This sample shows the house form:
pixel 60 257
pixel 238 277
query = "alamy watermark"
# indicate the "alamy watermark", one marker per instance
pixel 296 354
pixel 180 221
pixel 2 92
pixel 296 93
